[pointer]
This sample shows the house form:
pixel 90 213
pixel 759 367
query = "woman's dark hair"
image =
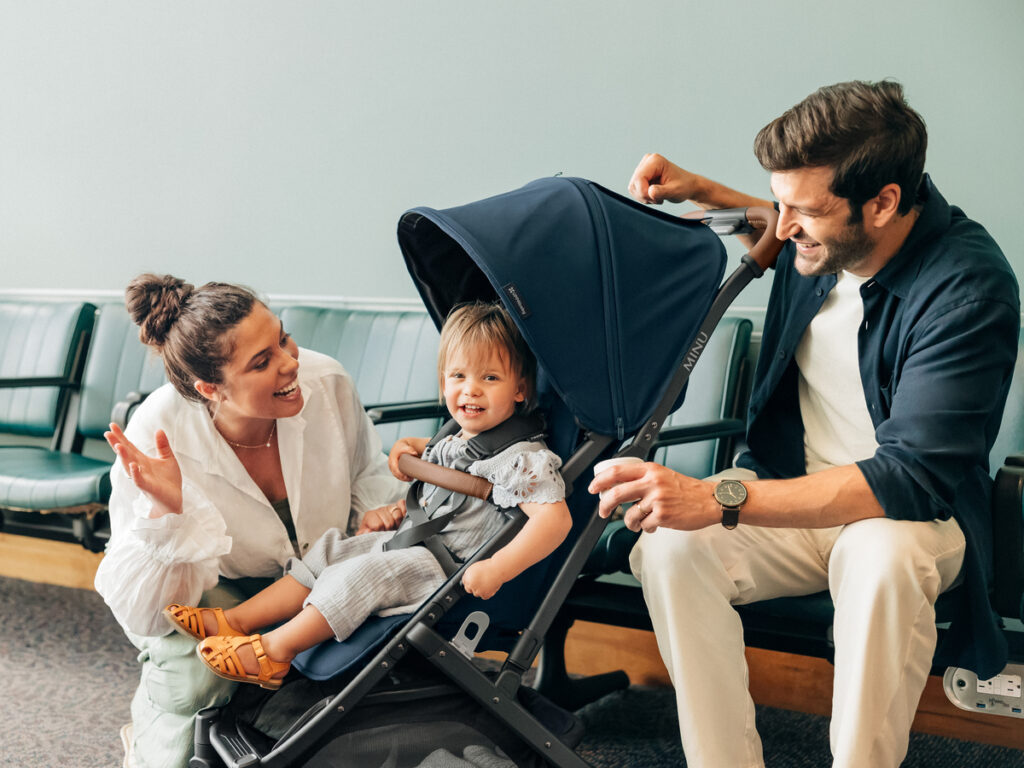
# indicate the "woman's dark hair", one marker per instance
pixel 188 326
pixel 865 132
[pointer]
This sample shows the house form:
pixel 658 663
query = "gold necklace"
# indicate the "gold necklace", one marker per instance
pixel 270 437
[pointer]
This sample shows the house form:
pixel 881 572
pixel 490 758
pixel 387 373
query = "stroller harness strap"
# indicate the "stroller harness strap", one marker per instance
pixel 426 527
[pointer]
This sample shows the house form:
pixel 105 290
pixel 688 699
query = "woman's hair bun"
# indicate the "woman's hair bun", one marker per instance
pixel 155 303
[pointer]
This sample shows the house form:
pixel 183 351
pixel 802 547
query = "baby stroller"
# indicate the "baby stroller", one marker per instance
pixel 616 301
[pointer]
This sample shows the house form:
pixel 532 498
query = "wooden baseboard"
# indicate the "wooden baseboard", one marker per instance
pixel 783 680
pixel 47 562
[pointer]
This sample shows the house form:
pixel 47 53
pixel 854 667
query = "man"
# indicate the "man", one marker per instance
pixel 888 346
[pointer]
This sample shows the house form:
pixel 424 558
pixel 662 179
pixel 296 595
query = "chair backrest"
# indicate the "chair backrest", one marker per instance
pixel 715 391
pixel 391 356
pixel 1008 495
pixel 1010 439
pixel 40 339
pixel 118 364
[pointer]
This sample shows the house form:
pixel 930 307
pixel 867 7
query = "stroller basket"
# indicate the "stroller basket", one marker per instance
pixel 616 300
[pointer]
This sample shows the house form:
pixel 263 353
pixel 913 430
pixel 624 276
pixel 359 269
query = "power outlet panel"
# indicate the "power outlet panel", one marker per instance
pixel 999 695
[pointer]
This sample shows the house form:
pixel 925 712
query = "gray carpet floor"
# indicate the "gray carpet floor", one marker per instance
pixel 68 675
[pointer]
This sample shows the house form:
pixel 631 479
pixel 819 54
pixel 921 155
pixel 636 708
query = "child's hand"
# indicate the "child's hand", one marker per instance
pixel 413 445
pixel 483 578
pixel 383 518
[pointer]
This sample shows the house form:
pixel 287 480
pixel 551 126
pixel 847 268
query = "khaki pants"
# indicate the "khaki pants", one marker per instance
pixel 884 576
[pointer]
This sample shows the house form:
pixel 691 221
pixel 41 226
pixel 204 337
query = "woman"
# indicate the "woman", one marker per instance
pixel 250 452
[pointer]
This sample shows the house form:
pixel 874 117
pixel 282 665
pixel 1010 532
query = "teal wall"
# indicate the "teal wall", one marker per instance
pixel 277 143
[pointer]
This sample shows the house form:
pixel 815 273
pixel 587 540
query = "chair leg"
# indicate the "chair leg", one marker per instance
pixel 84 529
pixel 553 679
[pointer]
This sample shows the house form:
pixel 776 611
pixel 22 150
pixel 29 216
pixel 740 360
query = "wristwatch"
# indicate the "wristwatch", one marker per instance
pixel 731 494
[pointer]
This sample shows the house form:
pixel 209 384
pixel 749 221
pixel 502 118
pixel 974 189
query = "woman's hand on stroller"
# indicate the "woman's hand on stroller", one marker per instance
pixel 159 477
pixel 657 180
pixel 385 518
pixel 413 445
pixel 663 498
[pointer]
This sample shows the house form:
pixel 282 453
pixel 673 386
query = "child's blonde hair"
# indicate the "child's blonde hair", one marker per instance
pixel 481 324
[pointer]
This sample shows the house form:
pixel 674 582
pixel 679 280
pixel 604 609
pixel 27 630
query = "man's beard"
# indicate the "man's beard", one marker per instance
pixel 847 250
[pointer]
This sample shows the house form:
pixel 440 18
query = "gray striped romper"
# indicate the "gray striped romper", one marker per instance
pixel 352 578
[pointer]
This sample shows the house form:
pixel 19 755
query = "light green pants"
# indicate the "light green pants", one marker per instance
pixel 175 685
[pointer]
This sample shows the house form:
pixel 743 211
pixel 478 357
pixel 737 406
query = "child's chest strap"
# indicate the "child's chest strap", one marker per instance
pixel 425 527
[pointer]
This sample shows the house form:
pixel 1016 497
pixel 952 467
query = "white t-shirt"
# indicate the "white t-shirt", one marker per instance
pixel 837 426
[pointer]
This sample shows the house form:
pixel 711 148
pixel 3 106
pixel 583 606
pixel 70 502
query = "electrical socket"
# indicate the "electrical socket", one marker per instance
pixel 998 695
pixel 1001 685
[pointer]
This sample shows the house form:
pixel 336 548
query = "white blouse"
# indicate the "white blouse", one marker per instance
pixel 333 470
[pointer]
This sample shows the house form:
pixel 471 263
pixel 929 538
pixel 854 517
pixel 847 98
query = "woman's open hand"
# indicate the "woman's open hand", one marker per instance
pixel 159 477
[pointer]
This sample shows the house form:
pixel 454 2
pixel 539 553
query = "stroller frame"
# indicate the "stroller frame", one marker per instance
pixel 220 740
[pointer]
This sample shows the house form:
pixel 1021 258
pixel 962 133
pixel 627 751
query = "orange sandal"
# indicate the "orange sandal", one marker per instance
pixel 220 654
pixel 189 621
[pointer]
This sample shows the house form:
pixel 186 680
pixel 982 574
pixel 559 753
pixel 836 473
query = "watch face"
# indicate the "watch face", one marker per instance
pixel 730 493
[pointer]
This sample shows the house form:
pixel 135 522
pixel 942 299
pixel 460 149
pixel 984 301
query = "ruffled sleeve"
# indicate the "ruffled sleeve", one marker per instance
pixel 151 562
pixel 523 473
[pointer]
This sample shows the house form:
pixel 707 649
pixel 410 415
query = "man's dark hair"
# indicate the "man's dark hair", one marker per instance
pixel 865 132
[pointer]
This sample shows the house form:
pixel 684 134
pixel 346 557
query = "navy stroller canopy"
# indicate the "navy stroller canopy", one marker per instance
pixel 608 293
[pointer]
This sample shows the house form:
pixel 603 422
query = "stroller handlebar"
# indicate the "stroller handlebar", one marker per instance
pixel 766 249
pixel 444 477
pixel 743 221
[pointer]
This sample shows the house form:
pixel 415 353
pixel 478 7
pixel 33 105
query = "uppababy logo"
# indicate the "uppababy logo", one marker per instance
pixel 695 350
pixel 513 294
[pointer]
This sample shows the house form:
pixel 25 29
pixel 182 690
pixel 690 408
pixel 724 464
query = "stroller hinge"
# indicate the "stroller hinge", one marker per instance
pixel 525 650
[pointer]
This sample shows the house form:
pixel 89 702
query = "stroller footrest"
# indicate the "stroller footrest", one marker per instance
pixel 236 744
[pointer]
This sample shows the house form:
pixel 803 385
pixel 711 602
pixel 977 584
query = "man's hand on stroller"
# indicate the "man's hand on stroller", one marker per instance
pixel 656 180
pixel 413 445
pixel 664 499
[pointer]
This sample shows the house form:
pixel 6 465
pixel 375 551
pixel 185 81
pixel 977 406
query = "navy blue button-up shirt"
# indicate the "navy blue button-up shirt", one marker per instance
pixel 937 348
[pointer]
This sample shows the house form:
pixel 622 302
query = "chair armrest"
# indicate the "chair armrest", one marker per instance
pixel 611 553
pixel 695 433
pixel 387 413
pixel 38 381
pixel 1016 460
pixel 1008 538
pixel 123 409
